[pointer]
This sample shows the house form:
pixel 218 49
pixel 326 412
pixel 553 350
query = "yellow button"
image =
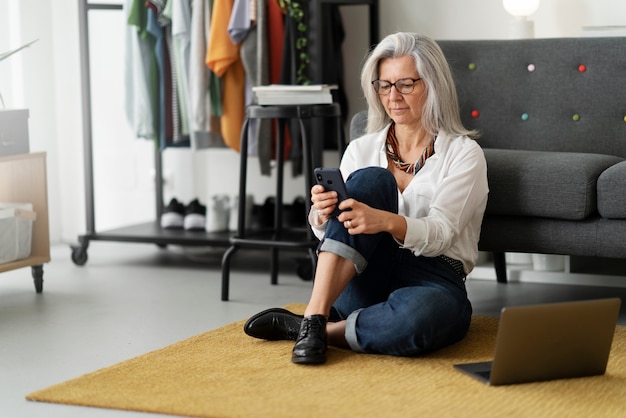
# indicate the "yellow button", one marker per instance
pixel 576 117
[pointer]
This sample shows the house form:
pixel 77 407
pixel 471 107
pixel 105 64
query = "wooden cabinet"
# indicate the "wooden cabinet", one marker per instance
pixel 23 180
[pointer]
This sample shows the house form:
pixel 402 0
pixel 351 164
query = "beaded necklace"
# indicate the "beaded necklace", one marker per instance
pixel 392 153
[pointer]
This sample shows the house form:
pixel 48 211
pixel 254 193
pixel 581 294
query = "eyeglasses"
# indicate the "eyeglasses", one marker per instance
pixel 404 85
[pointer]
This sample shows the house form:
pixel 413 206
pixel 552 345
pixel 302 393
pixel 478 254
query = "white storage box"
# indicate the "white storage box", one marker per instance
pixel 14 132
pixel 16 230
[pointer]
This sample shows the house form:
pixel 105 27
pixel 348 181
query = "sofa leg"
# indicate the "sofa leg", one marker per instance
pixel 499 263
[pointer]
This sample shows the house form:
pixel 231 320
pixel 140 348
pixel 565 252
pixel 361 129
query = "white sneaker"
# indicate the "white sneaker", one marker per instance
pixel 234 212
pixel 218 213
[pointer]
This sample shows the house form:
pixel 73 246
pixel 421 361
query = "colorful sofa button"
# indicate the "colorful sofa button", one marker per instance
pixel 475 113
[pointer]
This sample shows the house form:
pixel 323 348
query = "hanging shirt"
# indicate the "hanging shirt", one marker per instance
pixel 276 36
pixel 199 104
pixel 259 77
pixel 240 22
pixel 224 60
pixel 241 32
pixel 180 14
pixel 155 29
pixel 139 70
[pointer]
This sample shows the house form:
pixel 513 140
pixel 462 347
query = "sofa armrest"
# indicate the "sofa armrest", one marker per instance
pixel 612 192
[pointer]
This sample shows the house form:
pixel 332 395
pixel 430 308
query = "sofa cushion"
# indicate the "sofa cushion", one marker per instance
pixel 559 185
pixel 612 192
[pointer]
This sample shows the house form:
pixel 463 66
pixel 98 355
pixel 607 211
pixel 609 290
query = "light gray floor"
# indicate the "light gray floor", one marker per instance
pixel 133 298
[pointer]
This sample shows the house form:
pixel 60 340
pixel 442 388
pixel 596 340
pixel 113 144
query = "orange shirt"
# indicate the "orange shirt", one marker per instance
pixel 224 60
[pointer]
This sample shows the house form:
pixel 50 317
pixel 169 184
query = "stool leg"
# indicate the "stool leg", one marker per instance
pixel 308 182
pixel 278 210
pixel 243 174
pixel 274 266
pixel 307 162
pixel 226 270
pixel 241 216
pixel 280 178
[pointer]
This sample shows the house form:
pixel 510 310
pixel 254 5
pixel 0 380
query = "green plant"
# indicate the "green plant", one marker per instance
pixel 295 10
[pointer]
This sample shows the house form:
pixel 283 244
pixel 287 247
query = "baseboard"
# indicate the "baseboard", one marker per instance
pixel 526 274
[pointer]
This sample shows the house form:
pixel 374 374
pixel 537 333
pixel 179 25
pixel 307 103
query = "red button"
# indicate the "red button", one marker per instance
pixel 475 113
pixel 582 68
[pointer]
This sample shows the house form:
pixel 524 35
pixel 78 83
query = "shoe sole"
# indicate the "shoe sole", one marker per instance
pixel 171 220
pixel 309 360
pixel 194 222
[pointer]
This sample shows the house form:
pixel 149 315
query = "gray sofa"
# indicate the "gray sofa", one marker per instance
pixel 552 113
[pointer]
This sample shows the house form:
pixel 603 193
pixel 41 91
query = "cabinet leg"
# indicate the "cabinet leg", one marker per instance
pixel 37 272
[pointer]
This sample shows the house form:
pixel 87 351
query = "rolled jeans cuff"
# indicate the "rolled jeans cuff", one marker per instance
pixel 350 335
pixel 345 251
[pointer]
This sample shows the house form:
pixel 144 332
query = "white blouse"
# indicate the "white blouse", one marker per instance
pixel 445 201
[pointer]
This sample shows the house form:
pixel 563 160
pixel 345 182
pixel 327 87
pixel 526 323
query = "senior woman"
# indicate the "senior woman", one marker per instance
pixel 391 270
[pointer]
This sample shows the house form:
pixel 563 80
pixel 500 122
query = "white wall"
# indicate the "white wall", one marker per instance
pixel 27 81
pixel 46 79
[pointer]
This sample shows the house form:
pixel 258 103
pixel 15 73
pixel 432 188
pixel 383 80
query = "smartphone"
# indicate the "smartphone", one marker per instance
pixel 332 179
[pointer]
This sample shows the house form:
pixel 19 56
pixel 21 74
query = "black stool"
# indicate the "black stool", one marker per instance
pixel 278 237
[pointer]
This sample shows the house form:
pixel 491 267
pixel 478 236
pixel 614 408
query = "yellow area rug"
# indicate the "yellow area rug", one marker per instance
pixel 224 373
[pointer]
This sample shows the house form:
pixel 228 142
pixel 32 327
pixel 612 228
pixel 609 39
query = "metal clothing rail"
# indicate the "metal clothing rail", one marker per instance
pixel 149 232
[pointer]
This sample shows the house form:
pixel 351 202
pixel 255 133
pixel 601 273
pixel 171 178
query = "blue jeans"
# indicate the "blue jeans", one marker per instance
pixel 398 303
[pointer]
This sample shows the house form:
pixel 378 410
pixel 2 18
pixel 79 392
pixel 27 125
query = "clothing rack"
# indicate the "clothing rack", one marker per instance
pixel 151 232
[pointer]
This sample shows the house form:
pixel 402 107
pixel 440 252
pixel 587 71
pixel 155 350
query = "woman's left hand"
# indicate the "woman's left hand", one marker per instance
pixel 359 218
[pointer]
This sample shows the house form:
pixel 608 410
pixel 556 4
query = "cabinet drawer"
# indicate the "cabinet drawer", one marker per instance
pixel 14 132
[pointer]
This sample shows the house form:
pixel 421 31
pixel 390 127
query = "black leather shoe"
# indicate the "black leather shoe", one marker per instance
pixel 274 324
pixel 310 346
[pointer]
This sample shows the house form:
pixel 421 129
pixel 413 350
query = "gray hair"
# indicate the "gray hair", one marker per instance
pixel 441 109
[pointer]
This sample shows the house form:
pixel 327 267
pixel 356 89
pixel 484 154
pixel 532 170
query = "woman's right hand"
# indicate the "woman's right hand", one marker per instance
pixel 324 202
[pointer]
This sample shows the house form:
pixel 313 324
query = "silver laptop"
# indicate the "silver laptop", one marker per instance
pixel 550 341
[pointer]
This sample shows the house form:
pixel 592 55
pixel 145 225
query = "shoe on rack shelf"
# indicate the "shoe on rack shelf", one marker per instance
pixel 218 213
pixel 234 212
pixel 295 215
pixel 173 215
pixel 195 216
pixel 266 218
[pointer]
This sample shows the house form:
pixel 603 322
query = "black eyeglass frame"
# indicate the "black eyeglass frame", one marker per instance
pixel 376 83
